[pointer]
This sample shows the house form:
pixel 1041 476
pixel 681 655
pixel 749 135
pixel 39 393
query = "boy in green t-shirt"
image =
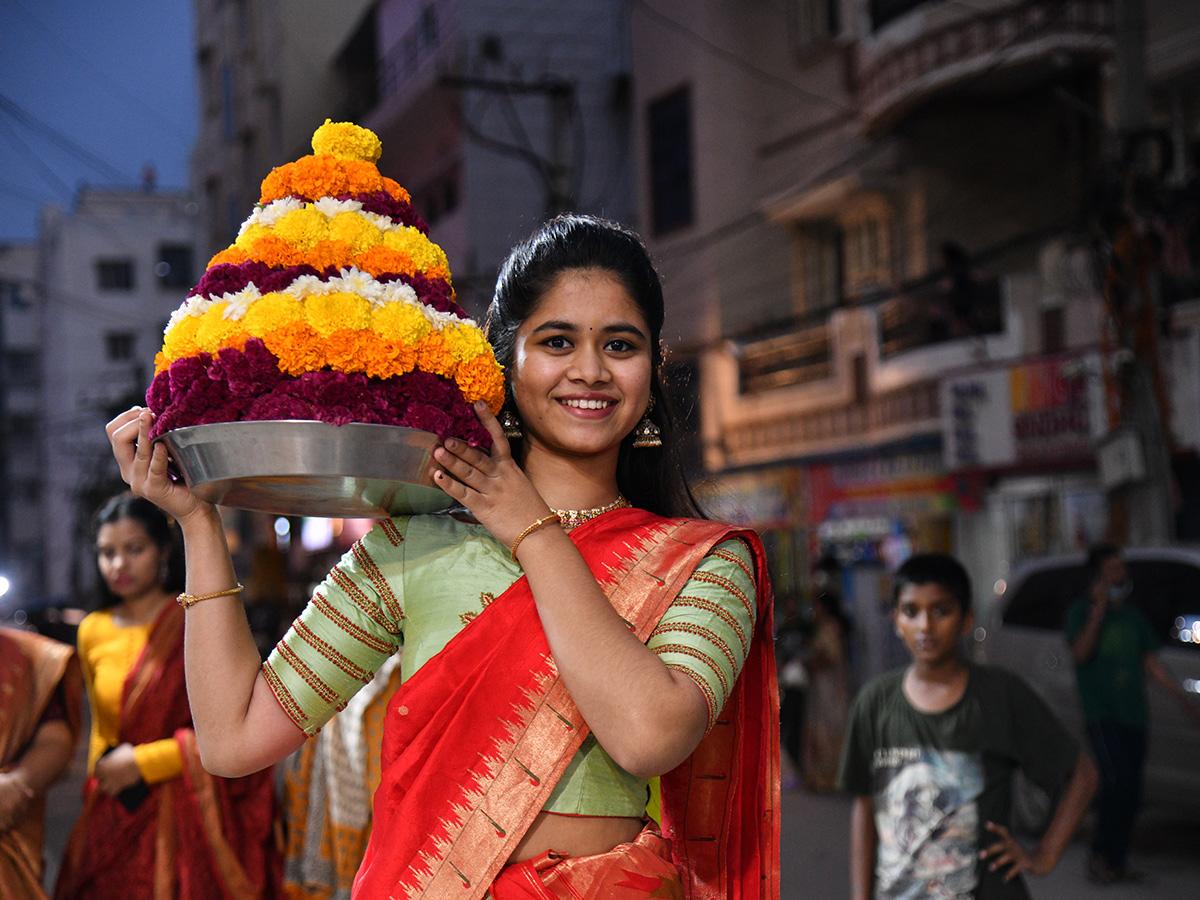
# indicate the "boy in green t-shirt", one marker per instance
pixel 930 753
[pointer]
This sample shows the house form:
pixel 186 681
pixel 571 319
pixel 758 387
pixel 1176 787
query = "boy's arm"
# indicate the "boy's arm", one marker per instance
pixel 862 848
pixel 1070 809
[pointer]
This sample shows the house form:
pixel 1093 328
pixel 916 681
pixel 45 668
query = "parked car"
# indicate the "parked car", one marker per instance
pixel 1025 634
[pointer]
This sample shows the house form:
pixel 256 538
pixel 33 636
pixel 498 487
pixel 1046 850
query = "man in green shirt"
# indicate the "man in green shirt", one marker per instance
pixel 1114 648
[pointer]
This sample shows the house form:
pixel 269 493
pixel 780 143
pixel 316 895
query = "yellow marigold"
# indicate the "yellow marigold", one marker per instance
pixel 387 358
pixel 297 347
pixel 235 340
pixel 232 255
pixel 247 238
pixel 275 251
pixel 359 232
pixel 329 313
pixel 466 341
pixel 215 329
pixel 303 228
pixel 347 140
pixel 330 253
pixel 400 322
pixel 272 311
pixel 381 259
pixel 481 379
pixel 434 356
pixel 180 340
pixel 393 188
pixel 424 252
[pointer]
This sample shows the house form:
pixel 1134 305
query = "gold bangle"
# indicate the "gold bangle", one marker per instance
pixel 185 600
pixel 544 520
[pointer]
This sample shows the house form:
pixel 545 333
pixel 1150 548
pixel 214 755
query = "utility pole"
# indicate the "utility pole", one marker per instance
pixel 553 169
pixel 1141 510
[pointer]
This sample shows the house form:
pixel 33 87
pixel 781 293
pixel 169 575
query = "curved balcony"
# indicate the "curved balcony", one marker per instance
pixel 922 50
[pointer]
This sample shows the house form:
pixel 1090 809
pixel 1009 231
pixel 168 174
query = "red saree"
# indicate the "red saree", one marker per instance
pixel 196 837
pixel 476 740
pixel 31 670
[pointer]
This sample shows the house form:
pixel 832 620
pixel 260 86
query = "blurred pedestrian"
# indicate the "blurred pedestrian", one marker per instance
pixel 828 701
pixel 930 755
pixel 790 650
pixel 328 786
pixel 1114 647
pixel 41 697
pixel 154 823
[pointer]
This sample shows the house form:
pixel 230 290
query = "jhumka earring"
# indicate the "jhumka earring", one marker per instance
pixel 647 434
pixel 511 425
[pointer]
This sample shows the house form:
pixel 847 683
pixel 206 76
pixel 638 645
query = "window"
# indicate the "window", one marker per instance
pixel 821 267
pixel 868 255
pixel 671 162
pixel 114 274
pixel 22 428
pixel 174 266
pixel 14 295
pixel 228 101
pixel 21 368
pixel 814 22
pixel 119 345
pixel 884 11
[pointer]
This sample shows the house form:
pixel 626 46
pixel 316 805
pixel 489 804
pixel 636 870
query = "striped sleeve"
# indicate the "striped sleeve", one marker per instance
pixel 354 621
pixel 706 632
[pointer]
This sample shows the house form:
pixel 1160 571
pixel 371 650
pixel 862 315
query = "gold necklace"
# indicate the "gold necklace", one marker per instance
pixel 572 518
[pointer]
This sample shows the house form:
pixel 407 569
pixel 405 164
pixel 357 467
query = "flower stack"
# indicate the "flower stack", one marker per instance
pixel 333 305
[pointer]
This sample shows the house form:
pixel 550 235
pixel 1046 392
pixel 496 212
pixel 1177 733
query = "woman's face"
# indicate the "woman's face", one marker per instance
pixel 582 367
pixel 130 562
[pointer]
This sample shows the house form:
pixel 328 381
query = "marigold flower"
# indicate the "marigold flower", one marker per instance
pixel 275 251
pixel 330 313
pixel 356 231
pixel 466 341
pixel 215 329
pixel 180 339
pixel 481 378
pixel 347 140
pixel 297 347
pixel 232 255
pixel 250 234
pixel 302 228
pixel 272 311
pixel 381 259
pixel 400 322
pixel 389 358
pixel 434 356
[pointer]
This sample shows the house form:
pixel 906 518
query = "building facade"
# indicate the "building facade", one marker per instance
pixel 111 270
pixel 910 248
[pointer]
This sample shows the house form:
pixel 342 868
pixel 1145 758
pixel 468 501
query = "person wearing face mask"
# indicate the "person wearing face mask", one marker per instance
pixel 1114 648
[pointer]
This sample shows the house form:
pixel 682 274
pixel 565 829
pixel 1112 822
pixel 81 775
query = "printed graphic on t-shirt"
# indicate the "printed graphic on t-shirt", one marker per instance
pixel 927 817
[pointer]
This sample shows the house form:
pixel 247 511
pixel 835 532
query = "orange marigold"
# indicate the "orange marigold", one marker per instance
pixel 297 347
pixel 380 259
pixel 330 253
pixel 387 358
pixel 275 251
pixel 161 363
pixel 233 255
pixel 481 379
pixel 394 188
pixel 434 355
pixel 346 350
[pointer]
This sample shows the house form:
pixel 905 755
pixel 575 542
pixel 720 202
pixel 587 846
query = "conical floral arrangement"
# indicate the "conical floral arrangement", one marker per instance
pixel 332 304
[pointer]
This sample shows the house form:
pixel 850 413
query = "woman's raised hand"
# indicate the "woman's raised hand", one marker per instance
pixel 144 465
pixel 492 486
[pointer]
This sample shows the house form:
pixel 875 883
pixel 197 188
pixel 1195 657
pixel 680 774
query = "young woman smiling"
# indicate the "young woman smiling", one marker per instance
pixel 571 629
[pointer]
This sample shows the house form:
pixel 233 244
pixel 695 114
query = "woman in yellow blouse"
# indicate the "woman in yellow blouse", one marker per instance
pixel 148 799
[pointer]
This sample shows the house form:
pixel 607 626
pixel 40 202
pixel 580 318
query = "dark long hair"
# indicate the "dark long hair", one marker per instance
pixel 158 527
pixel 651 478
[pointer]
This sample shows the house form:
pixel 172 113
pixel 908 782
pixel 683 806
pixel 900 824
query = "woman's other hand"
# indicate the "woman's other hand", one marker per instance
pixel 117 770
pixel 144 465
pixel 492 486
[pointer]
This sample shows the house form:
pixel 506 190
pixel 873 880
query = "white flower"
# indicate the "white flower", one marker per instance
pixel 239 302
pixel 275 210
pixel 331 206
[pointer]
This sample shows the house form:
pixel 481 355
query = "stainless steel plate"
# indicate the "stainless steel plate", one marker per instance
pixel 305 468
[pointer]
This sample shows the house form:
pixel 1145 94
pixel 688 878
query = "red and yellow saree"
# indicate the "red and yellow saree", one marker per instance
pixel 31 670
pixel 197 837
pixel 476 740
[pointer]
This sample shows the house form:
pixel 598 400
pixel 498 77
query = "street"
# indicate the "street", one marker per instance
pixel 814 850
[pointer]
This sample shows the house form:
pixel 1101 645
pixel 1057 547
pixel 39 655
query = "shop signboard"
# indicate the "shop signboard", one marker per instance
pixel 1047 410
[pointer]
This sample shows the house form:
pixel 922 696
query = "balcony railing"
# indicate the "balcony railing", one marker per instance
pixel 788 359
pixel 936 312
pixel 974 43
